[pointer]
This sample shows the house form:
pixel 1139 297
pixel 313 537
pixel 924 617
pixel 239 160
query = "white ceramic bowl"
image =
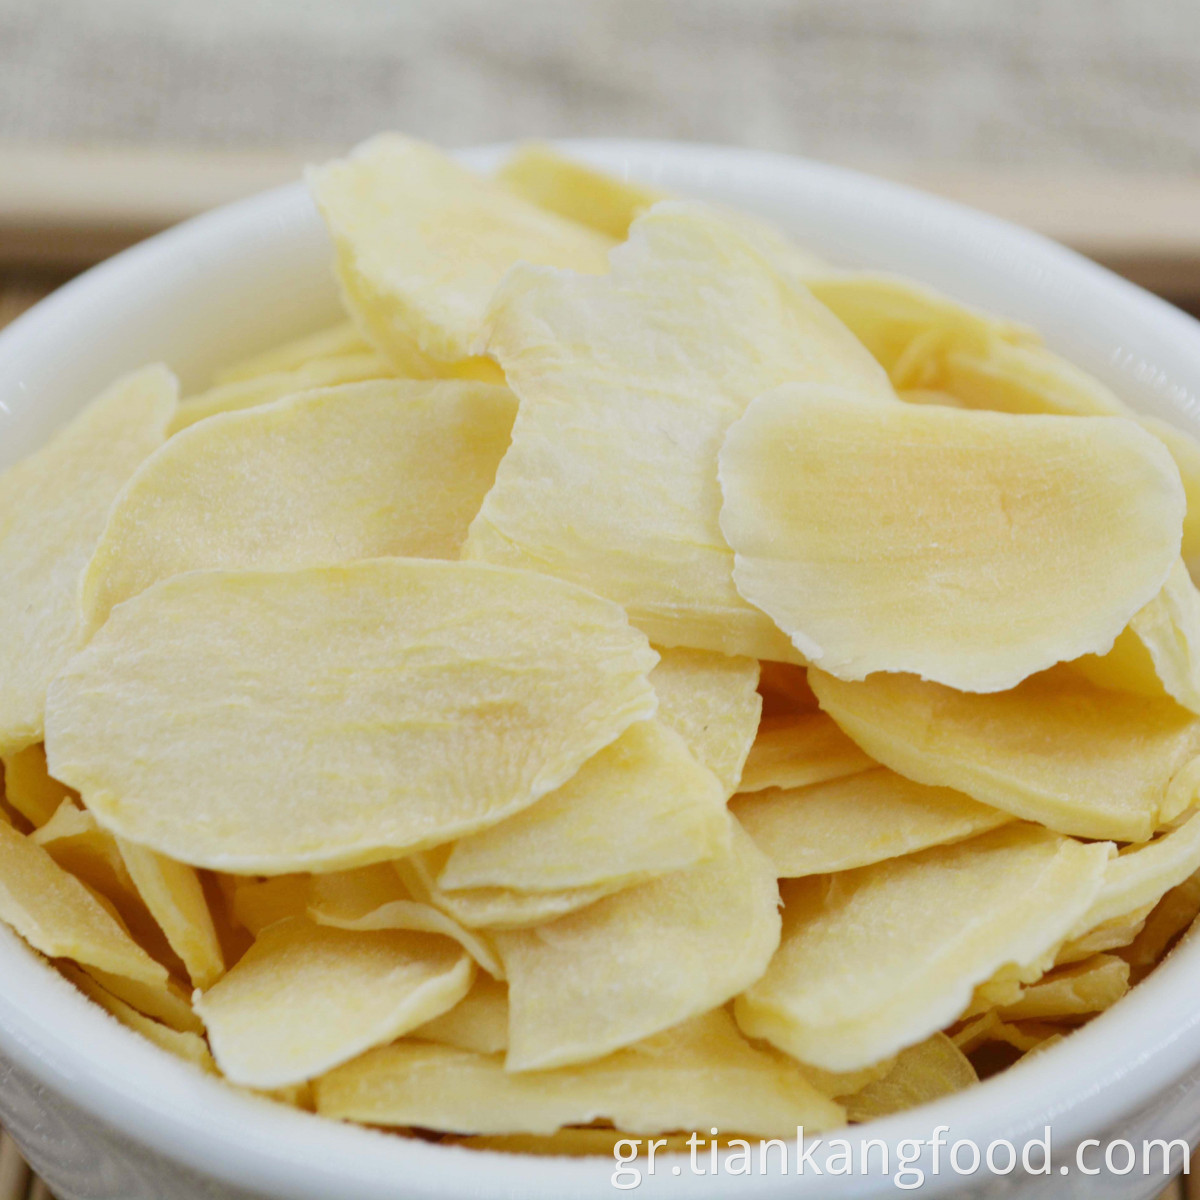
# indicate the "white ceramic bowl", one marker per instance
pixel 102 1114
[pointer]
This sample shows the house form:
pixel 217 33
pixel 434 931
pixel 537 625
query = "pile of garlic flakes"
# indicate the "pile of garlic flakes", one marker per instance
pixel 629 678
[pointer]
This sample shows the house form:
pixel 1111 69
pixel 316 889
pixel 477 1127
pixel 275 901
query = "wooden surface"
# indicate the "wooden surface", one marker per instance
pixel 74 207
pixel 68 208
pixel 21 288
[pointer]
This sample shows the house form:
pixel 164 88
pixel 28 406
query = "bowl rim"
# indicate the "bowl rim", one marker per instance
pixel 1107 1070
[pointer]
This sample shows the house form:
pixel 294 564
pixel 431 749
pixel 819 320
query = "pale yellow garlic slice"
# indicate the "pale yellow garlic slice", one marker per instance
pixel 367 470
pixel 792 751
pixel 627 383
pixel 596 199
pixel 29 788
pixel 699 1074
pixel 641 807
pixel 1142 874
pixel 53 506
pixel 641 961
pixel 422 243
pixel 335 341
pixel 711 701
pixel 172 892
pixel 81 846
pixel 1057 749
pixel 879 958
pixel 306 998
pixel 921 1074
pixel 1077 990
pixel 59 916
pixel 185 1044
pixel 910 328
pixel 1007 377
pixel 478 1022
pixel 257 903
pixel 252 393
pixel 375 897
pixel 341 715
pixel 491 909
pixel 1159 651
pixel 969 548
pixel 851 822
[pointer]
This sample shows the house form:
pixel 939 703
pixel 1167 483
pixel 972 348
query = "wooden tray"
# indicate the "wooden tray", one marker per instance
pixel 72 207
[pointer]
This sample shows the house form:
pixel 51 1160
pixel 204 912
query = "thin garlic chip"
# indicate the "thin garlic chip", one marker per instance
pixel 1171 916
pixel 1057 749
pixel 185 1044
pixel 266 389
pixel 1113 934
pixel 711 701
pixel 369 470
pixel 29 788
pixel 306 998
pixel 1077 990
pixel 1142 875
pixel 342 715
pixel 985 546
pixel 988 1027
pixel 876 959
pixel 422 243
pixel 845 1083
pixel 921 1074
pixel 163 999
pixel 1159 651
pixel 1128 667
pixel 374 897
pixel 78 844
pixel 700 1074
pixel 794 751
pixel 53 506
pixel 336 341
pixel 1012 378
pixel 789 258
pixel 627 383
pixel 259 903
pixel 59 916
pixel 479 1021
pixel 74 839
pixel 602 202
pixel 1004 986
pixel 1185 450
pixel 851 822
pixel 1024 379
pixel 909 328
pixel 349 896
pixel 494 908
pixel 172 892
pixel 641 807
pixel 641 961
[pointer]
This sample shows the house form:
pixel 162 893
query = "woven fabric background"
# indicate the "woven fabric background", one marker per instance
pixel 1073 84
